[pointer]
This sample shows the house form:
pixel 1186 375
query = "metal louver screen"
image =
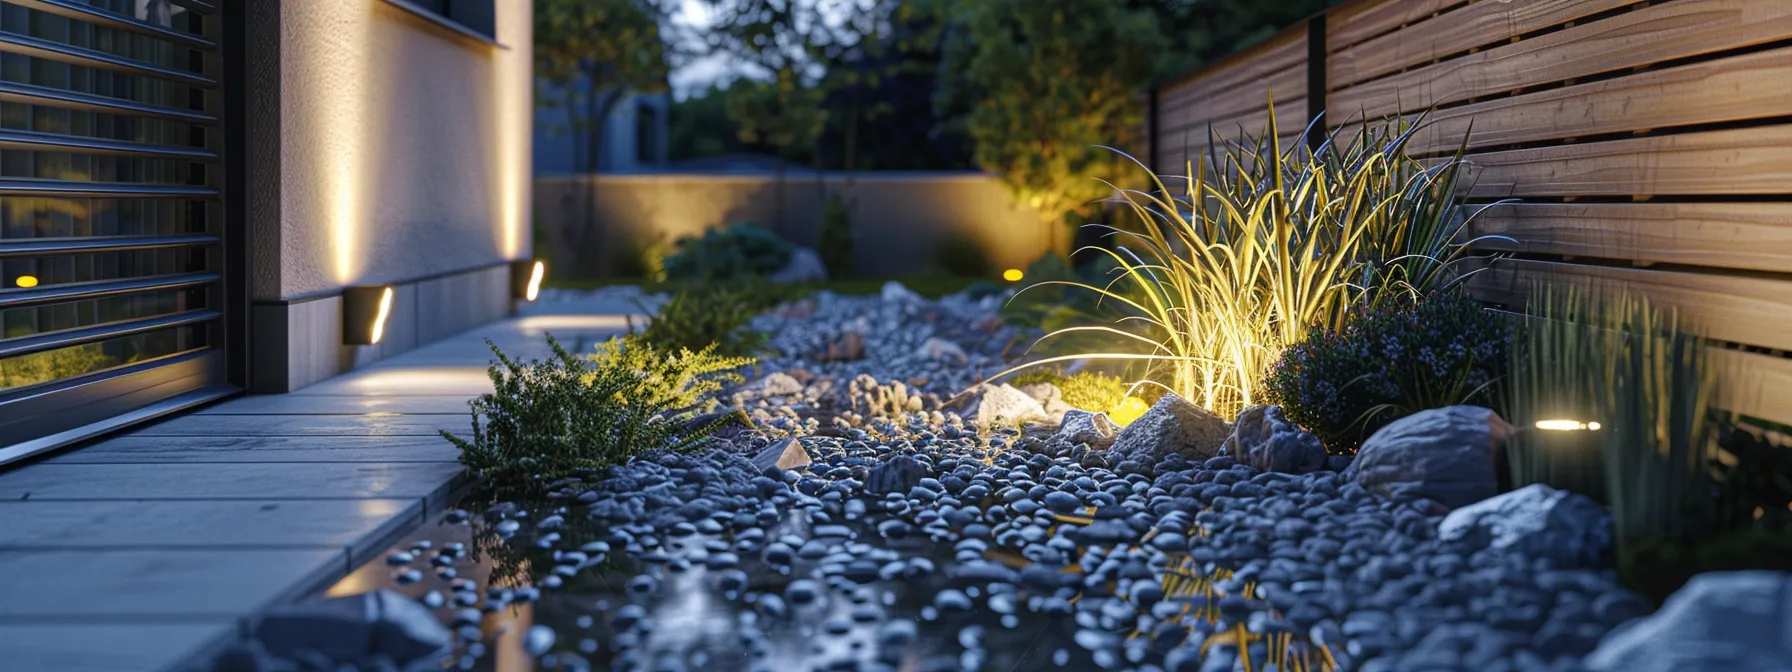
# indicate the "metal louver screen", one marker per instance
pixel 110 211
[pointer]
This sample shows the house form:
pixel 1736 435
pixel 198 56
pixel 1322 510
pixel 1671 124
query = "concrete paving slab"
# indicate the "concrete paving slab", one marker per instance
pixel 256 481
pixel 199 582
pixel 308 425
pixel 83 647
pixel 286 404
pixel 140 449
pixel 332 524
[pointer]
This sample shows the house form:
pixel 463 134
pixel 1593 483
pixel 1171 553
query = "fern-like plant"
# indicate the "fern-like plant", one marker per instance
pixel 549 419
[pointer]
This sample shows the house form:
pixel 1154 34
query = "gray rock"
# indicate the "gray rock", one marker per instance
pixel 1266 440
pixel 1718 622
pixel 897 474
pixel 1171 426
pixel 941 350
pixel 538 640
pixel 1044 393
pixel 1537 521
pixel 786 453
pixel 1443 454
pixel 777 384
pixel 894 292
pixel 1081 426
pixel 355 629
pixel 1001 405
pixel 804 266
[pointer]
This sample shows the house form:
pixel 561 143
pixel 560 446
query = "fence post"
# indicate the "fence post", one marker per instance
pixel 1151 129
pixel 1316 86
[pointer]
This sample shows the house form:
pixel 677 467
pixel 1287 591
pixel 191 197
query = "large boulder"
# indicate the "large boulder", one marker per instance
pixel 356 630
pixel 1442 454
pixel 1718 622
pixel 1268 441
pixel 1537 521
pixel 1173 425
pixel 804 266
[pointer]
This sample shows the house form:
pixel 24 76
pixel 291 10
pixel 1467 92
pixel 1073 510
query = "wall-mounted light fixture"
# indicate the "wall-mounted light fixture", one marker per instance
pixel 1567 425
pixel 364 313
pixel 526 277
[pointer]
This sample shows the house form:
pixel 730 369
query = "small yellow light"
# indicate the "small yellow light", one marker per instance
pixel 1013 275
pixel 379 321
pixel 536 274
pixel 27 281
pixel 1566 425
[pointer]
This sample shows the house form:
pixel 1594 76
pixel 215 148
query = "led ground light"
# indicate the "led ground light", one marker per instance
pixel 526 277
pixel 364 314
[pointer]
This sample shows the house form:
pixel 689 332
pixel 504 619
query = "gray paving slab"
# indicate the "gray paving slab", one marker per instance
pixel 469 381
pixel 229 481
pixel 308 425
pixel 130 449
pixel 352 524
pixel 340 404
pixel 85 647
pixel 144 583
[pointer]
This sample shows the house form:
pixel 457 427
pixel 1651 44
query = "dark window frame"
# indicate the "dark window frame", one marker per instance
pixel 476 19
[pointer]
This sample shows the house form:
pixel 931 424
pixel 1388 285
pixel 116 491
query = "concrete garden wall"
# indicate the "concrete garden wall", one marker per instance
pixel 899 219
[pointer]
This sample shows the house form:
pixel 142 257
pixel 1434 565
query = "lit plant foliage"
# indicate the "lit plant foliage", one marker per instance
pixel 546 420
pixel 1263 246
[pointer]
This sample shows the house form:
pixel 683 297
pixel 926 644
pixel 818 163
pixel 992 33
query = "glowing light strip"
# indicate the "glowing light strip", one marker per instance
pixel 535 277
pixel 379 320
pixel 1566 425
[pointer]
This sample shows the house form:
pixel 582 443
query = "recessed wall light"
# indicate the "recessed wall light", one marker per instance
pixel 526 277
pixel 364 314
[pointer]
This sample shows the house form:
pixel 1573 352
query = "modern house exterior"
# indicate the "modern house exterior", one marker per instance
pixel 202 198
pixel 635 137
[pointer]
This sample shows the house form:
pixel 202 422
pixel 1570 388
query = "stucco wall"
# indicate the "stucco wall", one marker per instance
pixel 387 148
pixel 899 219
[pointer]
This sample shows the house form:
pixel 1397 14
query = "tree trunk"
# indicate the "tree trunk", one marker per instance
pixel 599 103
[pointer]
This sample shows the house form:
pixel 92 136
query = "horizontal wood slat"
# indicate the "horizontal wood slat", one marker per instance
pixel 1737 309
pixel 1753 384
pixel 1666 31
pixel 1289 88
pixel 1751 86
pixel 1285 50
pixel 1754 236
pixel 1357 21
pixel 1476 24
pixel 1730 162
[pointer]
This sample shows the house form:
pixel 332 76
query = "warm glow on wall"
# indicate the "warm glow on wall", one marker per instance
pixel 330 97
pixel 1566 425
pixel 26 281
pixel 514 101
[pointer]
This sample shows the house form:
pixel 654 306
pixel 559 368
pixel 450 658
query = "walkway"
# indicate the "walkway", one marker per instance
pixel 138 551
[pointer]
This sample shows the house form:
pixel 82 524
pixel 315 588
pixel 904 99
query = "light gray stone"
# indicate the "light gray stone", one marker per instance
pixel 1002 405
pixel 941 350
pixel 1537 521
pixel 1718 622
pixel 1443 454
pixel 1268 441
pixel 1173 425
pixel 777 384
pixel 786 453
pixel 804 266
pixel 895 292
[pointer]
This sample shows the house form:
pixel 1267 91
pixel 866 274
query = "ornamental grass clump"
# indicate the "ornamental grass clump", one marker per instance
pixel 569 415
pixel 1262 247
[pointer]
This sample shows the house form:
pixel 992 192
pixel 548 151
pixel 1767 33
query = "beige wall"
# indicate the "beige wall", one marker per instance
pixel 384 147
pixel 899 219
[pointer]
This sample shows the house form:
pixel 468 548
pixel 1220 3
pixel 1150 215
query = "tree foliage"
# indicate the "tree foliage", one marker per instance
pixel 1047 85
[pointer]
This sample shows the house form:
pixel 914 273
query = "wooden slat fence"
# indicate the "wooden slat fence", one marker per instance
pixel 1649 143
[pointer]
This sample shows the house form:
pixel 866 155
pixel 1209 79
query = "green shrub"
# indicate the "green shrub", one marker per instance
pixel 712 315
pixel 546 420
pixel 1388 364
pixel 727 254
pixel 962 255
pixel 834 241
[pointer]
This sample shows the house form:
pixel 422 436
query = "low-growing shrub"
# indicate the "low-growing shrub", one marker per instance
pixel 730 253
pixel 1388 364
pixel 549 419
pixel 834 241
pixel 711 315
pixel 961 255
